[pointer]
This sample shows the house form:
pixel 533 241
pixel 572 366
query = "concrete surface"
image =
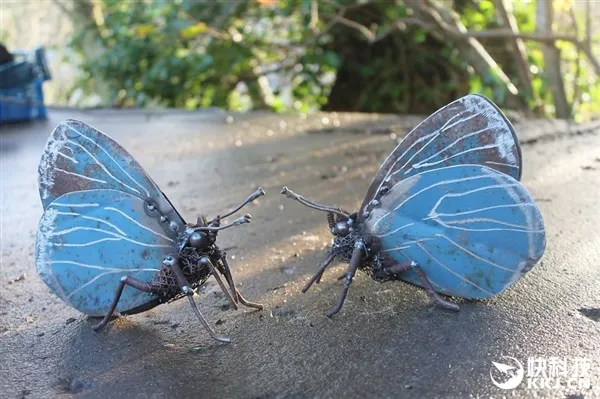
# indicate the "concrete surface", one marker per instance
pixel 388 341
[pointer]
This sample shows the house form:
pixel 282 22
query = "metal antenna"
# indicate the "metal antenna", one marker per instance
pixel 241 220
pixel 258 193
pixel 311 204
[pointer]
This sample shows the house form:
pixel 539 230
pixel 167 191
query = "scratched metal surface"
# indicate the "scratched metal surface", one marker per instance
pixel 388 341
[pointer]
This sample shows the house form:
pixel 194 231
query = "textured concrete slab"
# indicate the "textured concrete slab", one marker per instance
pixel 388 341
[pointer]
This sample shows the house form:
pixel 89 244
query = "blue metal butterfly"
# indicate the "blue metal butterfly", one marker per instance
pixel 445 211
pixel 109 240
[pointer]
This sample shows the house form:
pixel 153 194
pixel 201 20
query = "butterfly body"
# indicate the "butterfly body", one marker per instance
pixel 110 241
pixel 445 210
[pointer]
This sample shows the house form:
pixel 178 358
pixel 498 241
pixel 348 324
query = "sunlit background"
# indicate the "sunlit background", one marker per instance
pixel 538 58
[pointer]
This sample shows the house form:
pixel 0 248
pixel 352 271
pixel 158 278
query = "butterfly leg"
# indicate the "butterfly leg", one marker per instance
pixel 357 255
pixel 402 267
pixel 205 261
pixel 317 276
pixel 173 265
pixel 125 280
pixel 331 222
pixel 237 295
pixel 247 303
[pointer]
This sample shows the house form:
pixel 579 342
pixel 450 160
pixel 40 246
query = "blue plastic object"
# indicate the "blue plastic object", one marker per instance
pixel 21 87
pixel 23 103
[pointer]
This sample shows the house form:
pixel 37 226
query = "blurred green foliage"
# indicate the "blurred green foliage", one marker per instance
pixel 196 54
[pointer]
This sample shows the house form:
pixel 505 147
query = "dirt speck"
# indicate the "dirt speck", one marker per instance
pixel 20 278
pixel 73 385
pixel 283 312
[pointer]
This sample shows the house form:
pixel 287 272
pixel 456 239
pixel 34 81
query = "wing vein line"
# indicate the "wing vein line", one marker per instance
pixel 102 166
pixel 475 220
pixel 461 138
pixel 87 266
pixel 112 159
pixel 394 231
pixel 115 237
pixel 435 214
pixel 466 280
pixel 474 255
pixel 78 175
pixel 491 229
pixel 425 189
pixel 475 190
pixel 110 208
pixel 80 205
pixel 67 156
pixel 99 276
pixel 483 147
pixel 93 218
pixel 502 164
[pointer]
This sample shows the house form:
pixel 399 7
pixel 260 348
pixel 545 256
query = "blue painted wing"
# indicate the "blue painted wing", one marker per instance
pixel 88 240
pixel 470 130
pixel 78 157
pixel 472 229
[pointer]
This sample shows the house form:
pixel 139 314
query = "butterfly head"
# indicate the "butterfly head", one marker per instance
pixel 345 231
pixel 203 234
pixel 199 239
pixel 342 225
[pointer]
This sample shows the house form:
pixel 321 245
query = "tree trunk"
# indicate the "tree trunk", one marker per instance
pixel 504 9
pixel 544 18
pixel 470 48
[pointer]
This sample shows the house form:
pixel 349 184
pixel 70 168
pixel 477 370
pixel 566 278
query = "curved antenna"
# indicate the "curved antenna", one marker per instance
pixel 258 193
pixel 241 220
pixel 311 204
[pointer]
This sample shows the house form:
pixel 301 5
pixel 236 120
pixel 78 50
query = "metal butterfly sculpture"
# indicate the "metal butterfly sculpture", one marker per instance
pixel 445 211
pixel 109 240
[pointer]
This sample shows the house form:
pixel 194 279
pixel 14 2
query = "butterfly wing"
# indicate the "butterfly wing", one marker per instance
pixel 470 130
pixel 78 157
pixel 88 240
pixel 473 230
